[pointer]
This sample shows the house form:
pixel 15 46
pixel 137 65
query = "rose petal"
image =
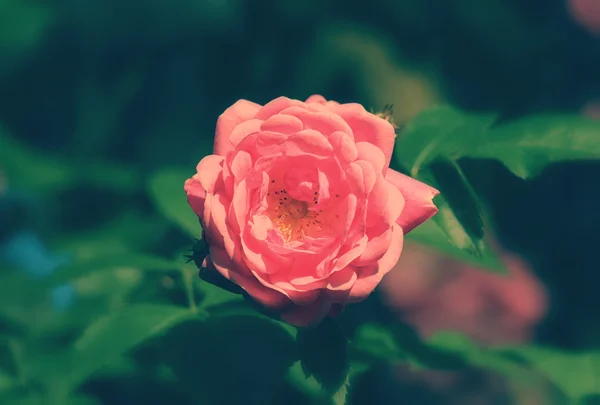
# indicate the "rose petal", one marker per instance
pixel 344 147
pixel 376 247
pixel 196 195
pixel 370 277
pixel 215 224
pixel 282 123
pixel 278 105
pixel 267 297
pixel 348 257
pixel 243 130
pixel 361 178
pixel 418 197
pixel 239 208
pixel 306 142
pixel 368 127
pixel 372 154
pixel 395 204
pixel 340 283
pixel 239 112
pixel 241 165
pixel 316 98
pixel 325 122
pixel 208 171
pixel 304 316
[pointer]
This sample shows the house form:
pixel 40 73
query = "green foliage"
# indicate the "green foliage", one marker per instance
pixel 218 360
pixel 324 354
pixel 430 148
pixel 575 373
pixel 439 131
pixel 22 27
pixel 111 336
pixel 528 145
pixel 128 260
pixel 36 171
pixel 426 149
pixel 166 189
pixel 376 342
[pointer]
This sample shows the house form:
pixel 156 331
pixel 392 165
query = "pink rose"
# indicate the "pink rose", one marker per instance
pixel 299 207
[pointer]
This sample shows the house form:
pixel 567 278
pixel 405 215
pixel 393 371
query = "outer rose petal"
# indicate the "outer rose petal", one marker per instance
pixel 366 283
pixel 368 127
pixel 419 205
pixel 303 316
pixel 319 99
pixel 223 264
pixel 276 106
pixel 196 195
pixel 208 171
pixel 242 110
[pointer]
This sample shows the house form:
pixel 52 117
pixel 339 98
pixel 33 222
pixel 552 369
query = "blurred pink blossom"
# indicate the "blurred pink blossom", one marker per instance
pixel 586 13
pixel 436 293
pixel 592 109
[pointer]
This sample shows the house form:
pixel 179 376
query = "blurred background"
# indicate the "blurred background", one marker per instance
pixel 96 96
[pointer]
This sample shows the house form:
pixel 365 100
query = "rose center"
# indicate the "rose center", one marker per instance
pixel 297 209
pixel 292 217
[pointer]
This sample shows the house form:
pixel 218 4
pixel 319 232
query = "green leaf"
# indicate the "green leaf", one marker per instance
pixel 34 170
pixel 130 231
pixel 340 397
pixel 525 146
pixel 7 382
pixel 377 342
pixel 459 196
pixel 458 344
pixel 324 354
pixel 528 145
pixel 445 134
pixel 31 170
pixel 230 360
pixel 427 149
pixel 166 189
pixel 78 399
pixel 21 397
pixel 439 131
pixel 129 260
pixel 106 340
pixel 20 297
pixel 457 229
pixel 576 374
pixel 308 385
pixel 355 391
pixel 433 235
pixel 22 26
pixel 213 296
pixel 419 353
